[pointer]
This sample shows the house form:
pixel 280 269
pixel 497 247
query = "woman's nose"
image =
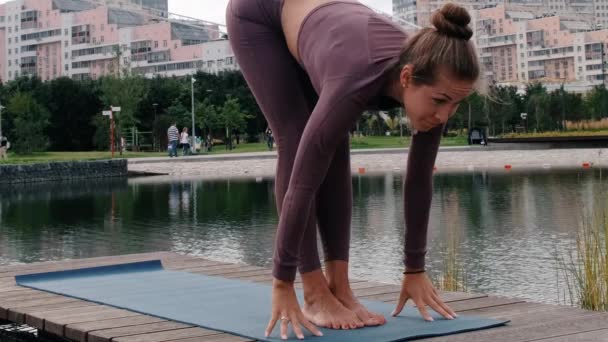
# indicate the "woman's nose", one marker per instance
pixel 443 116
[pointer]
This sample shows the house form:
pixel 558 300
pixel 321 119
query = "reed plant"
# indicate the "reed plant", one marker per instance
pixel 585 269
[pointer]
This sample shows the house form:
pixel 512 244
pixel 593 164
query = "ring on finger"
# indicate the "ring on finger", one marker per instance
pixel 285 319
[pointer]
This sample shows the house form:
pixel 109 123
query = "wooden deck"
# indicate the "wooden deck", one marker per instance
pixel 79 320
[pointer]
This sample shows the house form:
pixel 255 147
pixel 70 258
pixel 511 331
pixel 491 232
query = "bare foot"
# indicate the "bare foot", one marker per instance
pixel 348 299
pixel 324 310
pixel 337 275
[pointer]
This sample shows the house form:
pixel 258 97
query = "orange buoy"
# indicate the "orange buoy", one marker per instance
pixel 508 167
pixel 586 165
pixel 361 170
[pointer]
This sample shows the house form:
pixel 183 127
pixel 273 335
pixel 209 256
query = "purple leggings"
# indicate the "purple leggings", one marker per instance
pixel 285 95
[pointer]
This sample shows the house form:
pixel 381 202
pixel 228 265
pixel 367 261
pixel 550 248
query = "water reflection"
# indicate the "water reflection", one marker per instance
pixel 510 227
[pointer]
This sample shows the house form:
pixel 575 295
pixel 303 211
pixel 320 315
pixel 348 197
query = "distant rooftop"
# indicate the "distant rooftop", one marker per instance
pixel 519 15
pixel 72 5
pixel 124 18
pixel 189 33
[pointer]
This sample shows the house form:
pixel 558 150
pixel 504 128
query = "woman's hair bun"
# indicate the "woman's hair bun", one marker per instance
pixel 453 20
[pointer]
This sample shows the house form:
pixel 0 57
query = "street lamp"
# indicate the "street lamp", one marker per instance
pixel 1 108
pixel 154 128
pixel 193 146
pixel 524 116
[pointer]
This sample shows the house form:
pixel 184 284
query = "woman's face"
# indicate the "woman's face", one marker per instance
pixel 431 105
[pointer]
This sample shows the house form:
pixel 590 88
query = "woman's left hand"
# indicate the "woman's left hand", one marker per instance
pixel 419 288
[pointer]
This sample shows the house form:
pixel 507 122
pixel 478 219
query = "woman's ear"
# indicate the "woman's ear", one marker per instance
pixel 405 76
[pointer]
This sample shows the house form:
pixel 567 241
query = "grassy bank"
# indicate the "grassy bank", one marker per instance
pixel 557 134
pixel 357 143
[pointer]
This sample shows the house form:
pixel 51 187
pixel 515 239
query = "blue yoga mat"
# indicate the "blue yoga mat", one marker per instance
pixel 232 306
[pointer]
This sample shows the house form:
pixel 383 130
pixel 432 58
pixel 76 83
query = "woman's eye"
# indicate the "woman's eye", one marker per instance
pixel 439 101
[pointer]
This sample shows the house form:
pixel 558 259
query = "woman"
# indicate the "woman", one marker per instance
pixel 185 141
pixel 314 66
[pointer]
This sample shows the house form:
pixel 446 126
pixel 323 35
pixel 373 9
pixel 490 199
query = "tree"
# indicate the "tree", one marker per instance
pixel 101 137
pixel 232 118
pixel 537 104
pixel 180 114
pixel 30 121
pixel 126 93
pixel 72 106
pixel 207 116
pixel 596 103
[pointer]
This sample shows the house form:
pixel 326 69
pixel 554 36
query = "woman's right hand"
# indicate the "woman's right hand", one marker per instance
pixel 285 308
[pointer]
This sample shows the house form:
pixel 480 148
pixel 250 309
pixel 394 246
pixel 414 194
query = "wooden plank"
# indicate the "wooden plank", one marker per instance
pixel 588 336
pixel 79 331
pixel 36 319
pixel 56 325
pixel 172 335
pixel 535 321
pixel 107 335
pixel 18 314
pixel 60 300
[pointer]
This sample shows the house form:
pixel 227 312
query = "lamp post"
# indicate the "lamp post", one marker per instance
pixel 153 127
pixel 1 108
pixel 524 116
pixel 193 145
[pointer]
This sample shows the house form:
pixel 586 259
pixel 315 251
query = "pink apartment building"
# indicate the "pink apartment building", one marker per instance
pixel 552 41
pixel 87 39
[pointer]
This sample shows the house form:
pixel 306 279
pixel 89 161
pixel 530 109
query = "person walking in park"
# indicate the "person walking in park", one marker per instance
pixel 314 67
pixel 4 145
pixel 184 139
pixel 269 139
pixel 173 138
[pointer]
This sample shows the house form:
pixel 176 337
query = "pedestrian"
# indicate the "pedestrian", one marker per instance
pixel 4 145
pixel 173 138
pixel 314 67
pixel 184 140
pixel 269 139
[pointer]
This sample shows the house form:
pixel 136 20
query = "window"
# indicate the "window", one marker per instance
pixel 10 29
pixel 9 51
pixel 156 43
pixel 164 43
pixel 102 40
pixel 10 62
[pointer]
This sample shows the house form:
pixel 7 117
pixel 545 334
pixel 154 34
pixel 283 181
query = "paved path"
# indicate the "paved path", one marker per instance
pixel 375 161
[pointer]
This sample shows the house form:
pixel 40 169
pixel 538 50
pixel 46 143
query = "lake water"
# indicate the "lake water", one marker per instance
pixel 510 227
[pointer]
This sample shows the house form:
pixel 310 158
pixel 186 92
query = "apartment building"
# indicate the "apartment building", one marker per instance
pixel 87 39
pixel 553 41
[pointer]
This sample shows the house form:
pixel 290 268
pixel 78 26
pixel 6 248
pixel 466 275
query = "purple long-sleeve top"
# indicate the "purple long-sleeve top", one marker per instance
pixel 348 50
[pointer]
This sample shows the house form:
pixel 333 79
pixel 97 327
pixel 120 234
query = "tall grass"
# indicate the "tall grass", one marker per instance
pixel 586 273
pixel 453 276
pixel 587 125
